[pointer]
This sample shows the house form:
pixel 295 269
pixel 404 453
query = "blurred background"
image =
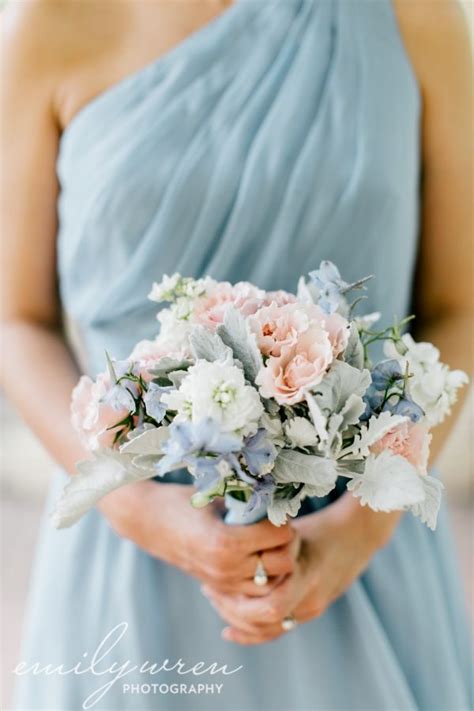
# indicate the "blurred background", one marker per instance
pixel 26 469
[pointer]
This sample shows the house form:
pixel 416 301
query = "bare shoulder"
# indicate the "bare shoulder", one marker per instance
pixel 45 43
pixel 436 37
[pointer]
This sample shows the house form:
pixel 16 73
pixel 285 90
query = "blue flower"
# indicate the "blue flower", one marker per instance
pixel 120 397
pixel 373 399
pixel 258 452
pixel 208 476
pixel 152 401
pixel 189 441
pixel 386 373
pixel 331 286
pixel 262 493
pixel 406 408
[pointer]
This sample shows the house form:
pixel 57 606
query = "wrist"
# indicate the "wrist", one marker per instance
pixel 123 508
pixel 374 527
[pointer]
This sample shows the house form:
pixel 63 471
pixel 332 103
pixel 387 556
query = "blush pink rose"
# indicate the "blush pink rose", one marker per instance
pixel 338 329
pixel 280 298
pixel 147 354
pixel 209 311
pixel 90 416
pixel 410 440
pixel 336 325
pixel 278 326
pixel 300 367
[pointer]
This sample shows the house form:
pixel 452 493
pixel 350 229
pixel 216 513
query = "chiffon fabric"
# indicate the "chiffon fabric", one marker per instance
pixel 282 133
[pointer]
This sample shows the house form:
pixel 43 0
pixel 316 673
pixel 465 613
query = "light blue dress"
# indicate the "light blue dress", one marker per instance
pixel 282 133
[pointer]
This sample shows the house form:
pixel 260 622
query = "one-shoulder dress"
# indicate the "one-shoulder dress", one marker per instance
pixel 282 133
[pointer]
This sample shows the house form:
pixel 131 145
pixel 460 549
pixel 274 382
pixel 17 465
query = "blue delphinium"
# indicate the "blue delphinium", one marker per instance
pixel 121 396
pixel 189 443
pixel 152 401
pixel 406 408
pixel 388 392
pixel 331 286
pixel 262 493
pixel 258 452
pixel 386 373
pixel 373 399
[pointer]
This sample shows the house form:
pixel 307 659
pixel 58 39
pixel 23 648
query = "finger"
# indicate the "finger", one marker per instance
pixel 260 610
pixel 226 612
pixel 277 562
pixel 262 536
pixel 231 634
pixel 310 608
pixel 245 587
pixel 280 561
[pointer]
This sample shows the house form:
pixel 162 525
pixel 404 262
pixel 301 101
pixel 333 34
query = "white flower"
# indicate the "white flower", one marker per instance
pixel 300 432
pixel 217 390
pixel 174 331
pixel 172 288
pixel 365 322
pixel 389 483
pixel 164 290
pixel 433 386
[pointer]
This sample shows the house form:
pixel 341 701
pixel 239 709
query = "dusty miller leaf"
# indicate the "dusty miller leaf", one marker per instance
pixel 209 346
pixel 236 333
pixel 295 467
pixel 107 471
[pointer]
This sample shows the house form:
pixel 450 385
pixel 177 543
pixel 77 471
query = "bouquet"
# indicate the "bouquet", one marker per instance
pixel 266 398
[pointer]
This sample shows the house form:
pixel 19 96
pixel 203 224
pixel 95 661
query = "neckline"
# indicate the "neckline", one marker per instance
pixel 137 75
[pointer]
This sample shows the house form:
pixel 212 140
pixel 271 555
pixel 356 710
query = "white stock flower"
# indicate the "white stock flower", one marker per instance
pixel 433 386
pixel 165 289
pixel 300 432
pixel 174 331
pixel 174 287
pixel 218 391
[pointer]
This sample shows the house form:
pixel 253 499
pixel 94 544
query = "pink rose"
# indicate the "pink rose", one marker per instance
pixel 280 298
pixel 209 311
pixel 90 416
pixel 338 329
pixel 410 440
pixel 147 354
pixel 300 367
pixel 279 326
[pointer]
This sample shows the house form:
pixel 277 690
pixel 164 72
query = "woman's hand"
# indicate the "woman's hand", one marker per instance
pixel 159 518
pixel 337 543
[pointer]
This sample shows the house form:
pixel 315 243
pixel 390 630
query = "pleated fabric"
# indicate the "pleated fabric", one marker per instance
pixel 282 133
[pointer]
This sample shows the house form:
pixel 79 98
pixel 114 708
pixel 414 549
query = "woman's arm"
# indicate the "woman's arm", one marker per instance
pixel 339 541
pixel 437 40
pixel 38 371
